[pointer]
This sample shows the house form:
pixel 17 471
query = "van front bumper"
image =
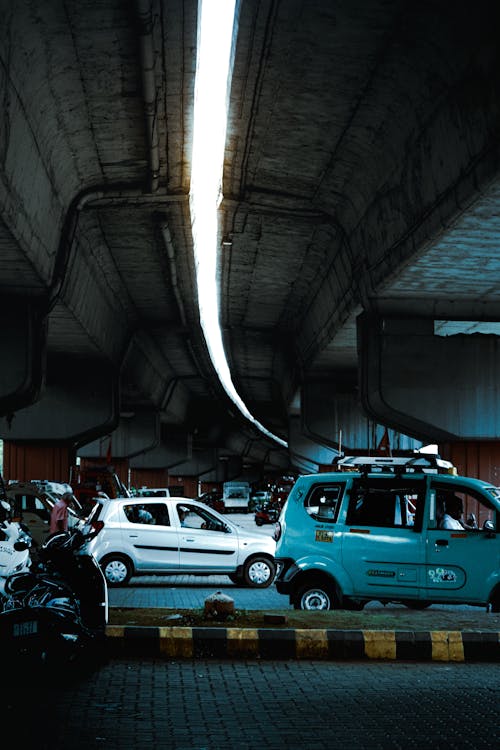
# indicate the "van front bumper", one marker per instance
pixel 286 572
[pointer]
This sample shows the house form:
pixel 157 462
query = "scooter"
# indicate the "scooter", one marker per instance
pixel 57 614
pixel 266 513
pixel 15 544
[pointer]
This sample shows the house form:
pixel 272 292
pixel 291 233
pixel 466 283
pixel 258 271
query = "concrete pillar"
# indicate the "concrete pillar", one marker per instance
pixel 437 389
pixel 23 334
pixel 331 415
pixel 304 450
pixel 78 402
pixel 134 435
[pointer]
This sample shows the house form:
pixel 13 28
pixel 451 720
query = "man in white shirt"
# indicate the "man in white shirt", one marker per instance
pixel 452 519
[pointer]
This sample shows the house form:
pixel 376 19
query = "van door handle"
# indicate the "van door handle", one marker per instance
pixel 441 542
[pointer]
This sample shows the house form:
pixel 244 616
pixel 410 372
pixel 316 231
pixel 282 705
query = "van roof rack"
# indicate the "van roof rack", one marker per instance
pixel 418 462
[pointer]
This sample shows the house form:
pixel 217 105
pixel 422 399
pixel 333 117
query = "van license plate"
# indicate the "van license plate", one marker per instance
pixel 30 627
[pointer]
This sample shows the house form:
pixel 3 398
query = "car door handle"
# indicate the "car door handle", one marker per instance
pixel 441 542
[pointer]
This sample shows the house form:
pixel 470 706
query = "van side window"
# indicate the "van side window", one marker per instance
pixel 475 510
pixel 386 504
pixel 322 502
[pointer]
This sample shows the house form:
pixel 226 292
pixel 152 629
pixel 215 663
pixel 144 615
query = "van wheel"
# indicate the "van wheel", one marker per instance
pixel 259 572
pixel 117 570
pixel 415 604
pixel 316 597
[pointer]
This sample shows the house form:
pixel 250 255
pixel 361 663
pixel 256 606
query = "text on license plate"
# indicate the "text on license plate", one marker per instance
pixel 25 628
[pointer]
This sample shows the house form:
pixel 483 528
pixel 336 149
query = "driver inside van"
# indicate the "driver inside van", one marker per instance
pixel 452 518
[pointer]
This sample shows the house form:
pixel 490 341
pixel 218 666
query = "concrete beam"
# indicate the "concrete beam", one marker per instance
pixel 135 434
pixel 79 402
pixel 438 389
pixel 332 416
pixel 200 464
pixel 23 334
pixel 175 453
pixel 306 452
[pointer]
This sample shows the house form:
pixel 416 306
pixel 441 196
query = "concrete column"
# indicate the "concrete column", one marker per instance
pixel 23 336
pixel 78 402
pixel 134 435
pixel 437 389
pixel 332 416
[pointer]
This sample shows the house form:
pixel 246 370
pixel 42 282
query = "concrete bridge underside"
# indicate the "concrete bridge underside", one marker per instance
pixel 358 248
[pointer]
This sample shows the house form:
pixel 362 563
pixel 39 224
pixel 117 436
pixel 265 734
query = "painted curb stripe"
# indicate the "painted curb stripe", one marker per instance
pixel 447 646
pixel 413 646
pixel 346 644
pixel 481 646
pixel 269 643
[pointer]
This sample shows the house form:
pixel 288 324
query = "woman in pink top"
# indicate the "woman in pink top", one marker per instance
pixel 59 514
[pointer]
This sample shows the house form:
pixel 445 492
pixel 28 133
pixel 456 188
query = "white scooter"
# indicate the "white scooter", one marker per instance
pixel 15 544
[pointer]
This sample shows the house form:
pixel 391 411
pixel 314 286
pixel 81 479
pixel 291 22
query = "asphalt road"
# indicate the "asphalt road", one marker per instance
pixel 206 704
pixel 260 705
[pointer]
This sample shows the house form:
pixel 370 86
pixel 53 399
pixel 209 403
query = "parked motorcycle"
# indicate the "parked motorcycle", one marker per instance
pixel 57 613
pixel 15 544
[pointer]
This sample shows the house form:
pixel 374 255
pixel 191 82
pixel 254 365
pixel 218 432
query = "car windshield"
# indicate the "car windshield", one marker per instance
pixel 494 492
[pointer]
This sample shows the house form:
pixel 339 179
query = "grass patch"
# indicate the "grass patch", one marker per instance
pixel 368 619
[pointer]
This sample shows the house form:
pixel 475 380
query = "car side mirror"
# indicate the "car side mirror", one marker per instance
pixel 489 526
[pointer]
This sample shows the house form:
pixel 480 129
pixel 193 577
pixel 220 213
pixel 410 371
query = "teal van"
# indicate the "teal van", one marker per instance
pixel 379 529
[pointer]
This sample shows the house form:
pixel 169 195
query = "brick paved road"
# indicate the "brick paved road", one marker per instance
pixel 253 705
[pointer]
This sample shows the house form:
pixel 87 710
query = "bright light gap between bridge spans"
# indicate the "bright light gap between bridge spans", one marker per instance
pixel 213 74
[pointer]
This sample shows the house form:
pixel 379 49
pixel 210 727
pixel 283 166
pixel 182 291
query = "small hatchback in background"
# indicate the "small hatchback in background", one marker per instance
pixel 173 536
pixel 32 503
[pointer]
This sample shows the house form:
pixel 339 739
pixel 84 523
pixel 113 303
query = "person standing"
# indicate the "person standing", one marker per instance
pixel 59 514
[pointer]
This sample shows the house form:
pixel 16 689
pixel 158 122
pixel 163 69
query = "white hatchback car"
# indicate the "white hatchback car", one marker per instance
pixel 174 536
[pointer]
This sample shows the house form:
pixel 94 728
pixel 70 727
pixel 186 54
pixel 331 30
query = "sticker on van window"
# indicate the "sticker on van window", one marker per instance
pixel 324 536
pixel 440 575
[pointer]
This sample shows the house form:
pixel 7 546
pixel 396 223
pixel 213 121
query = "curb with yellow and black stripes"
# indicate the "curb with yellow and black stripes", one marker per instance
pixel 268 643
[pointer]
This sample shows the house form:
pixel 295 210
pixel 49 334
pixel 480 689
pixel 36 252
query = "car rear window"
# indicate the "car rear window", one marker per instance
pixel 322 502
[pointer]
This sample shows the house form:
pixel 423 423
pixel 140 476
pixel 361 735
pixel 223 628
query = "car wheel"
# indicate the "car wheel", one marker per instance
pixel 313 596
pixel 259 521
pixel 117 570
pixel 259 572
